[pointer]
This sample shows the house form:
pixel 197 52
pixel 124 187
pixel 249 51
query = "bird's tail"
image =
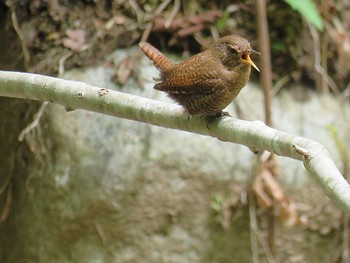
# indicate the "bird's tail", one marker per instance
pixel 159 60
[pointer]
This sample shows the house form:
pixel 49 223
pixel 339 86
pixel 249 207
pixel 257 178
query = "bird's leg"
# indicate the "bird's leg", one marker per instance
pixel 223 113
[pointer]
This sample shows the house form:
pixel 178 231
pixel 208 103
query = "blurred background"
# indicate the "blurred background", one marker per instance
pixel 301 33
pixel 82 187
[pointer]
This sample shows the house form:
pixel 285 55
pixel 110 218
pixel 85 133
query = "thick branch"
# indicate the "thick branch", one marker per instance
pixel 255 135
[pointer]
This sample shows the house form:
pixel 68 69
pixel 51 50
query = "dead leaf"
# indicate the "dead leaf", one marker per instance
pixel 75 40
pixel 124 70
pixel 185 26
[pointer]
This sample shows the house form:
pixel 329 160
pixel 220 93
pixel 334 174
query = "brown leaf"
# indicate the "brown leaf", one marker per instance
pixel 75 40
pixel 124 70
pixel 187 25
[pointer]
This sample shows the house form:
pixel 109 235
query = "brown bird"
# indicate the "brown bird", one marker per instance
pixel 207 82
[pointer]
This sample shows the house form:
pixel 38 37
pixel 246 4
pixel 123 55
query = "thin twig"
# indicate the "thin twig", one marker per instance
pixel 266 71
pixel 149 26
pixel 100 232
pixel 280 84
pixel 214 33
pixel 255 234
pixel 318 66
pixel 324 55
pixel 346 239
pixel 34 123
pixel 7 206
pixel 253 228
pixel 137 10
pixel 162 6
pixel 346 92
pixel 62 61
pixel 266 82
pixel 173 13
pixel 146 32
pixel 20 36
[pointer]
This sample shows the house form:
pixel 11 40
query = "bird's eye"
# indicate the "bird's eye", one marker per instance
pixel 232 49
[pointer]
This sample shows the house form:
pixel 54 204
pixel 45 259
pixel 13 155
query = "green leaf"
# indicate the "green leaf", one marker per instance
pixel 308 10
pixel 221 23
pixel 279 46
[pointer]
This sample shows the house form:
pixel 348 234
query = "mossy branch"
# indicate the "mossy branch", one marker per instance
pixel 255 135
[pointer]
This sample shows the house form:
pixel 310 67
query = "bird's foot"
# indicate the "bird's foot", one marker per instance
pixel 223 113
pixel 214 117
pixel 218 115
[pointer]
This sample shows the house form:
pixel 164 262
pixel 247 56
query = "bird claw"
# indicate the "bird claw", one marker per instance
pixel 223 113
pixel 212 118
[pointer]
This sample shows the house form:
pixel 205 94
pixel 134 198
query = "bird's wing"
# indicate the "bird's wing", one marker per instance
pixel 180 86
pixel 191 78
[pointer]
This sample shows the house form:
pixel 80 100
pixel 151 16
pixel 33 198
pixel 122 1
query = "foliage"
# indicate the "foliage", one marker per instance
pixel 308 10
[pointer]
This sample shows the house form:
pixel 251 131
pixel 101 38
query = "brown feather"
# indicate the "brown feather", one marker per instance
pixel 160 61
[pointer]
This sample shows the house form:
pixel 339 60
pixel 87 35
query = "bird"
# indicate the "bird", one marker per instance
pixel 207 82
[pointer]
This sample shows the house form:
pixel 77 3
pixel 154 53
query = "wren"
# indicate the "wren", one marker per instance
pixel 207 82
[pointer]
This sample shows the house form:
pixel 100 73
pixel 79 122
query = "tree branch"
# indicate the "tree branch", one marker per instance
pixel 255 135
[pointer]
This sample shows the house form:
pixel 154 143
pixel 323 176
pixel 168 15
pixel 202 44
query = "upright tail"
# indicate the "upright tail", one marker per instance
pixel 160 61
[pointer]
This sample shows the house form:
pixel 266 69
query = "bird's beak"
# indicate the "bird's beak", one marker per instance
pixel 246 59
